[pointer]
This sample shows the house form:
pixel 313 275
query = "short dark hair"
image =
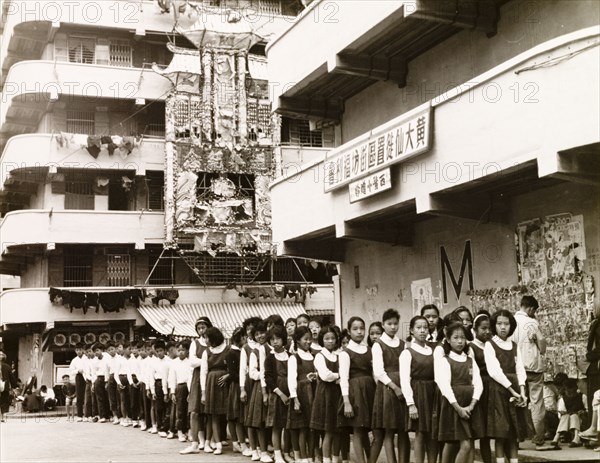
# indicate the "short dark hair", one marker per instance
pixel 455 326
pixel 140 344
pixel 260 327
pixel 290 320
pixel 214 337
pixel 503 313
pixel 330 329
pixel 390 313
pixel 79 345
pixel 110 344
pixel 99 345
pixel 185 343
pixel 237 335
pixel 461 309
pixel 65 376
pixel 278 331
pixel 159 344
pixel 571 383
pixel 378 325
pixel 429 307
pixel 481 317
pixel 300 332
pixel 302 315
pixel 529 302
pixel 251 321
pixel 355 319
pixel 275 320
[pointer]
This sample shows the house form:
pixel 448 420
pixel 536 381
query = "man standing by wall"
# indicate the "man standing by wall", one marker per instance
pixel 532 346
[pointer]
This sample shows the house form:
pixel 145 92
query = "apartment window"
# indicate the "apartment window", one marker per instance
pixel 82 50
pixel 81 121
pixel 187 116
pixel 164 272
pixel 118 267
pixel 78 266
pixel 296 132
pixel 79 194
pixel 156 183
pixel 120 53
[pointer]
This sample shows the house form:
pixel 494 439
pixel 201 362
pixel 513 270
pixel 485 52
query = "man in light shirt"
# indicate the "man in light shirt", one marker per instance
pixel 532 345
pixel 122 380
pixel 77 370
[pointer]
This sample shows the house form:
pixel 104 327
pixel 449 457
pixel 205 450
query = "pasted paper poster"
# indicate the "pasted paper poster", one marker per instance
pixel 422 294
pixel 531 251
pixel 564 243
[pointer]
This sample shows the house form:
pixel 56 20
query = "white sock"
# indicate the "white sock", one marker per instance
pixel 335 459
pixel 514 460
pixel 499 460
pixel 327 460
pixel 278 455
pixel 296 455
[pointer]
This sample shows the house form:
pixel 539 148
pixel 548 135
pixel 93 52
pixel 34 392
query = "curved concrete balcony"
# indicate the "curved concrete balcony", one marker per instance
pixel 33 227
pixel 32 87
pixel 32 305
pixel 42 151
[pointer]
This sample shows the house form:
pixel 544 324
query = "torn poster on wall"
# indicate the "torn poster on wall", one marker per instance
pixel 550 247
pixel 422 294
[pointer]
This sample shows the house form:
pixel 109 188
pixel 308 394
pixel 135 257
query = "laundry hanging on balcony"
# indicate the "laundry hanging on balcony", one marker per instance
pixel 95 144
pixel 112 301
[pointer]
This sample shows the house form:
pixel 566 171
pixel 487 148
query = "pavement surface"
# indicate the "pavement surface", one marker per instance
pixel 51 438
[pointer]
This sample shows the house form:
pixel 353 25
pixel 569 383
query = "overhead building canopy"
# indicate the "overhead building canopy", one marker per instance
pixel 180 319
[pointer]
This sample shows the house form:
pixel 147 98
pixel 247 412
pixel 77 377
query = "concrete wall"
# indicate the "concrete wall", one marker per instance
pixel 522 25
pixel 386 272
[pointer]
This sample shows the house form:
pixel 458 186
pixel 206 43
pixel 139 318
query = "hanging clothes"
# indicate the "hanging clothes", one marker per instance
pixel 133 297
pixel 91 301
pixel 113 301
pixel 55 296
pixel 94 145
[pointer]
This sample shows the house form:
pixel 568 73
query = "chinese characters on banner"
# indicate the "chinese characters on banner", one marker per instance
pixel 370 185
pixel 391 143
pixel 550 247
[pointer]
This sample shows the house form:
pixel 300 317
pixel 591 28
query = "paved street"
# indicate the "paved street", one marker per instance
pixel 53 439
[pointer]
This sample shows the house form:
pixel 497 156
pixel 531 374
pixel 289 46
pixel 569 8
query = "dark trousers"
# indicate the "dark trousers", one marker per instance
pixel 181 399
pixel 159 405
pixel 145 405
pixel 124 396
pixel 89 400
pixel 134 397
pixel 113 397
pixel 80 393
pixel 101 397
pixel 169 419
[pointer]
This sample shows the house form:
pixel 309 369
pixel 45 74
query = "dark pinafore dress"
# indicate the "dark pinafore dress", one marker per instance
pixel 216 396
pixel 451 427
pixel 195 397
pixel 389 412
pixel 235 407
pixel 248 383
pixel 481 431
pixel 277 412
pixel 256 411
pixel 327 399
pixel 305 391
pixel 361 391
pixel 424 389
pixel 504 419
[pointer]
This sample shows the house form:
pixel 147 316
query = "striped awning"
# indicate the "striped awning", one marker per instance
pixel 180 319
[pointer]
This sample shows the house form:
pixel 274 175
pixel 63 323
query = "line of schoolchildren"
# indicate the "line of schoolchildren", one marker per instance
pixel 307 391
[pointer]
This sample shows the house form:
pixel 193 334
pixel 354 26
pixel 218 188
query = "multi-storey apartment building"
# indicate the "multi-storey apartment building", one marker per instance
pixel 467 165
pixel 85 128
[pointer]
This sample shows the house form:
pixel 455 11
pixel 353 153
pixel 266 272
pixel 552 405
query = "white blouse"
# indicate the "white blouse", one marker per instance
pixel 443 376
pixel 194 359
pixel 493 365
pixel 405 362
pixel 344 360
pixel 378 367
pixel 293 370
pixel 325 373
pixel 244 362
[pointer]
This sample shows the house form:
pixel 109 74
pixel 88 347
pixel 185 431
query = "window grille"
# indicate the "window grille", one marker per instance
pixel 164 273
pixel 155 130
pixel 120 53
pixel 296 132
pixel 156 184
pixel 81 122
pixel 78 266
pixel 118 269
pixel 79 194
pixel 82 50
pixel 267 7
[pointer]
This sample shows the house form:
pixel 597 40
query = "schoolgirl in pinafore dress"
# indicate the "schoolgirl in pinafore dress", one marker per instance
pixel 359 385
pixel 477 348
pixel 216 396
pixel 256 412
pixel 327 395
pixel 276 373
pixel 194 401
pixel 389 412
pixel 504 420
pixel 418 386
pixel 459 381
pixel 300 366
